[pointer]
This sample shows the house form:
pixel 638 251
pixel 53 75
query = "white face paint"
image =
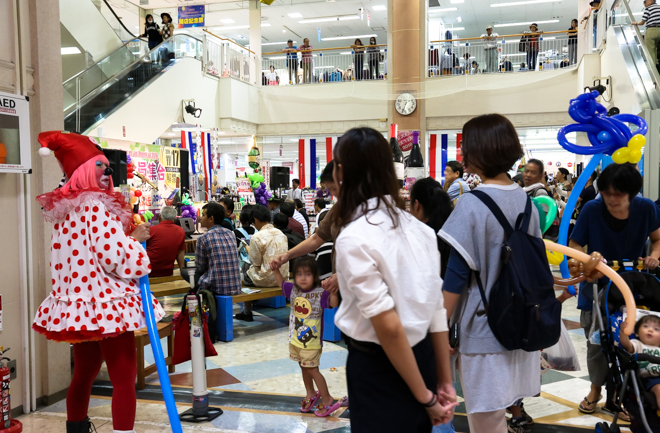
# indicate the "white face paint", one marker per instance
pixel 102 179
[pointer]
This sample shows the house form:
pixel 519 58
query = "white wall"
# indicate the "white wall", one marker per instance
pixel 86 23
pixel 153 110
pixel 612 63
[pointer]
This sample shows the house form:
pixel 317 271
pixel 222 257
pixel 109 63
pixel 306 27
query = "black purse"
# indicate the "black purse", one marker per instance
pixel 454 336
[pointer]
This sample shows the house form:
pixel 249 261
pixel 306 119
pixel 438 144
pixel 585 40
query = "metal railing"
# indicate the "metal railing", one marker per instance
pixel 225 58
pixel 505 54
pixel 324 65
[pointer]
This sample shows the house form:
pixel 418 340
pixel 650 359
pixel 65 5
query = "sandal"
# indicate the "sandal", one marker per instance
pixel 344 402
pixel 589 406
pixel 328 409
pixel 623 415
pixel 309 401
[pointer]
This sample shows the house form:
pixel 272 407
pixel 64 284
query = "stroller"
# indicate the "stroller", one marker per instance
pixel 623 378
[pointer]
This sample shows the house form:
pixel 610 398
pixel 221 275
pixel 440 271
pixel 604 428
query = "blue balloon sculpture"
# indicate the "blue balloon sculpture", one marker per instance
pixel 154 339
pixel 607 135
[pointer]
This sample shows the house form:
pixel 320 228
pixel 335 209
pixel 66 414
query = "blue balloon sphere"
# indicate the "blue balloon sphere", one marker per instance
pixel 604 136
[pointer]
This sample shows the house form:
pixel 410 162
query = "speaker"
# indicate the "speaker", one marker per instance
pixel 185 176
pixel 117 159
pixel 187 224
pixel 279 177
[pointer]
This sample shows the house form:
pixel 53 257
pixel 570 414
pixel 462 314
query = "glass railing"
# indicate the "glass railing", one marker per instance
pixel 324 66
pixel 506 54
pixel 97 91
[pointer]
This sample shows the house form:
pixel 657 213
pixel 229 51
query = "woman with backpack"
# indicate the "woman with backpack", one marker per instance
pixel 490 148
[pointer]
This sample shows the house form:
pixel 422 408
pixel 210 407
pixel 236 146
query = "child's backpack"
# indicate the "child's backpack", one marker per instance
pixel 522 309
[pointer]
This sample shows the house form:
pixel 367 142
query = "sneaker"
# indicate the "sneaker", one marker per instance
pixel 244 317
pixel 519 425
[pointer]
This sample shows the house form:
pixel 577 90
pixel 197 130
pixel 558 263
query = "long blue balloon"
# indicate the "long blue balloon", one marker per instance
pixel 163 376
pixel 570 207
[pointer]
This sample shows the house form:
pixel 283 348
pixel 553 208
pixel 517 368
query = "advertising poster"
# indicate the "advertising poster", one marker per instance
pixel 14 134
pixel 191 16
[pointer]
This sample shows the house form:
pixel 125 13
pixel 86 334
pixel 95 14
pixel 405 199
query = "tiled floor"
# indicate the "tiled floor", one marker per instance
pixel 258 387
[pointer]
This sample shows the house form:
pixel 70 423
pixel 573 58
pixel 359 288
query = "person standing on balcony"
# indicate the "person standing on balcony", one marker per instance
pixel 291 61
pixel 373 55
pixel 307 65
pixel 152 32
pixel 490 49
pixel 572 42
pixel 651 18
pixel 530 44
pixel 358 56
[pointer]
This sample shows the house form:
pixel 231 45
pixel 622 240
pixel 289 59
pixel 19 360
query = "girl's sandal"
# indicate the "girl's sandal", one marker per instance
pixel 589 406
pixel 307 404
pixel 328 409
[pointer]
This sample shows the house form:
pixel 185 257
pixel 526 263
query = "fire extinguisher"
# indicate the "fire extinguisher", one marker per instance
pixel 7 425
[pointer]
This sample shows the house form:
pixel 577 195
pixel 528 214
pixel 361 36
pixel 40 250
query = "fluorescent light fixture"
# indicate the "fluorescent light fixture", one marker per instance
pixel 340 38
pixel 232 28
pixel 526 23
pixel 459 19
pixel 329 19
pixel 69 50
pixel 276 43
pixel 227 21
pixel 432 11
pixel 379 8
pixel 520 3
pixel 295 15
pixel 265 24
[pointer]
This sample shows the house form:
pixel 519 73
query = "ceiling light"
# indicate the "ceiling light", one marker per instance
pixel 227 21
pixel 526 23
pixel 190 109
pixel 519 3
pixel 295 15
pixel 276 43
pixel 349 17
pixel 443 10
pixel 379 8
pixel 329 19
pixel 339 38
pixel 459 19
pixel 265 24
pixel 69 50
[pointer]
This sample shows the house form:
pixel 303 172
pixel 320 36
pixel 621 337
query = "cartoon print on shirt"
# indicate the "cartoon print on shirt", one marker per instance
pixel 302 309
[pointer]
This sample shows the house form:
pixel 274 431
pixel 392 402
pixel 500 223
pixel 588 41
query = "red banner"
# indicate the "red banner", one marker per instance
pixel 459 142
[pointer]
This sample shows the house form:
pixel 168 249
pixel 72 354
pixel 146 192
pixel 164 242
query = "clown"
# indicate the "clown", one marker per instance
pixel 96 261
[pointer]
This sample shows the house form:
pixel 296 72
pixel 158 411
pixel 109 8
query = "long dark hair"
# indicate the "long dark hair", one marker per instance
pixel 437 207
pixel 306 263
pixel 367 172
pixel 373 39
pixel 146 19
pixel 358 40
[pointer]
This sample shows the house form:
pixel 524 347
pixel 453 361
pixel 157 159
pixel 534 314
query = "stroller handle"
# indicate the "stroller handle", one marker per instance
pixel 629 325
pixel 649 358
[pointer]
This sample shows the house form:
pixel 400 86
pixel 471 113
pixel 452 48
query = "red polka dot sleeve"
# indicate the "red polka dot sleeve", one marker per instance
pixel 115 252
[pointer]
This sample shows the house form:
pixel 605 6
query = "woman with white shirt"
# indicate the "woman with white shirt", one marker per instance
pixel 392 312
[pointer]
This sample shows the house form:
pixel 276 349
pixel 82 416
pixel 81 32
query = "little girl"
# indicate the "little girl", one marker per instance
pixel 647 331
pixel 308 300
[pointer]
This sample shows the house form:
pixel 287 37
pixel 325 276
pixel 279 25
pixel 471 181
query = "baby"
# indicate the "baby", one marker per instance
pixel 647 331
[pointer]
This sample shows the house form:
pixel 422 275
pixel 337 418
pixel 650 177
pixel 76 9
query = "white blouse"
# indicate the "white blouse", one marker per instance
pixel 380 267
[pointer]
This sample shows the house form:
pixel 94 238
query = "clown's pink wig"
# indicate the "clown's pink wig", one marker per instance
pixel 84 177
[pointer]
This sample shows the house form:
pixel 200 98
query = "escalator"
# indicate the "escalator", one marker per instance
pixel 95 93
pixel 643 76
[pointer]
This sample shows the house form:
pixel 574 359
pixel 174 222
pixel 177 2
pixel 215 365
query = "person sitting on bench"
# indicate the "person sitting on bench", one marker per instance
pixel 265 245
pixel 166 244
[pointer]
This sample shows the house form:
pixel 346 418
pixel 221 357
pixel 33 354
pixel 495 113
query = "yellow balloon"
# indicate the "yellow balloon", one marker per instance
pixel 621 156
pixel 637 142
pixel 554 258
pixel 635 156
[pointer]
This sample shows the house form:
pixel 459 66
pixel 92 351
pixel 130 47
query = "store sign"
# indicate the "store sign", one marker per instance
pixel 191 16
pixel 15 152
pixel 570 164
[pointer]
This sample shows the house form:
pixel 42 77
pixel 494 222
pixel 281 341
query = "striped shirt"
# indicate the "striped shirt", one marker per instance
pixel 216 260
pixel 301 219
pixel 651 15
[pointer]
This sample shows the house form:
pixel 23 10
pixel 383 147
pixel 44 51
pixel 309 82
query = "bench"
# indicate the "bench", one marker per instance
pixel 175 277
pixel 142 340
pixel 171 288
pixel 267 297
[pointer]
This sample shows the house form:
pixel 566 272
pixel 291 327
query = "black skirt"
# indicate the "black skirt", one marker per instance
pixel 379 399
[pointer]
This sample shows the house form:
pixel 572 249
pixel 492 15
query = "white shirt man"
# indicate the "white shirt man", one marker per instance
pixel 490 49
pixel 295 192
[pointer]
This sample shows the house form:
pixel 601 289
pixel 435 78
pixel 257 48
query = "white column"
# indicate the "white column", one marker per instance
pixel 255 41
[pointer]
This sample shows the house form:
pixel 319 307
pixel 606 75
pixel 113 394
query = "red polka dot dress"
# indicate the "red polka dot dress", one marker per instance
pixel 95 271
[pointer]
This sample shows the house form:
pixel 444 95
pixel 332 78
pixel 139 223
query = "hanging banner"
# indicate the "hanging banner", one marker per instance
pixel 170 159
pixel 191 16
pixel 459 142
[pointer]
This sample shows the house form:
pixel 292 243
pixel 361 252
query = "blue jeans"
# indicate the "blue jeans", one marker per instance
pixel 444 428
pixel 532 55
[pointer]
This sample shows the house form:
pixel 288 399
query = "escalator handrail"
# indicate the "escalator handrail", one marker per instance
pixel 647 56
pixel 96 63
pixel 123 72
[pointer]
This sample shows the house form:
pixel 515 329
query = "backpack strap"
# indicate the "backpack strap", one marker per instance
pixel 522 223
pixel 477 275
pixel 496 211
pixel 245 233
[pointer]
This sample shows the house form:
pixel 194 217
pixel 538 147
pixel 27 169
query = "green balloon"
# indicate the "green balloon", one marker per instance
pixel 546 219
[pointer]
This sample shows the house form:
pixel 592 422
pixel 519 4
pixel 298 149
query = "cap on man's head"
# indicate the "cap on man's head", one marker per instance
pixel 289 41
pixel 489 27
pixel 534 25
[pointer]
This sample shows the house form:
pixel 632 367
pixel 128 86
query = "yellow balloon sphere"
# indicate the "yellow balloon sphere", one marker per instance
pixel 635 156
pixel 621 156
pixel 554 258
pixel 637 142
